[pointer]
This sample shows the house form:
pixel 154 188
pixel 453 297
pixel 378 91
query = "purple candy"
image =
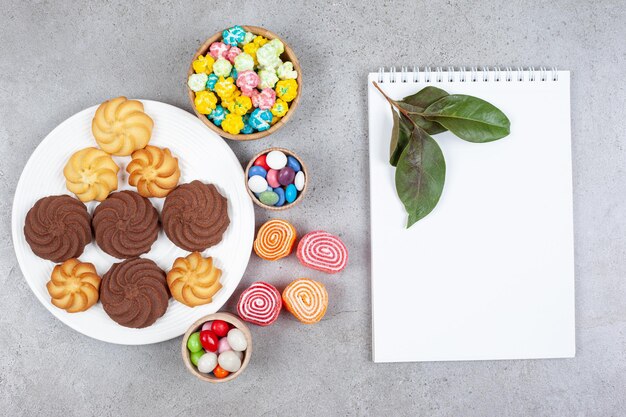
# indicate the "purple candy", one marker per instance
pixel 286 176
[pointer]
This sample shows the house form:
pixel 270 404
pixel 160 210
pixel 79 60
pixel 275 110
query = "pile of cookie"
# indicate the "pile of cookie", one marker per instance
pixel 304 298
pixel 134 292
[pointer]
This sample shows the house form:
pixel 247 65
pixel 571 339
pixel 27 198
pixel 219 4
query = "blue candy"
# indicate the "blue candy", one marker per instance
pixel 218 115
pixel 247 128
pixel 261 119
pixel 234 35
pixel 210 84
pixel 234 74
pixel 291 193
pixel 257 170
pixel 281 196
pixel 293 163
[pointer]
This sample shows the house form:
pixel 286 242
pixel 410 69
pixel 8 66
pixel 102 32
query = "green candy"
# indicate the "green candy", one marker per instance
pixel 193 343
pixel 269 198
pixel 195 356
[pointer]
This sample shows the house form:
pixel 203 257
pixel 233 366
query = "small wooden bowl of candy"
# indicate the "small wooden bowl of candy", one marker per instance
pixel 258 103
pixel 277 179
pixel 217 348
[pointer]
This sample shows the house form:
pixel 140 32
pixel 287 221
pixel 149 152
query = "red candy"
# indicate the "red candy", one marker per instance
pixel 260 161
pixel 209 340
pixel 220 328
pixel 322 251
pixel 260 304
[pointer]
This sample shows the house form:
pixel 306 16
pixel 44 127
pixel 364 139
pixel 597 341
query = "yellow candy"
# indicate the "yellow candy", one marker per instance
pixel 275 120
pixel 203 64
pixel 233 123
pixel 250 49
pixel 287 89
pixel 260 40
pixel 240 105
pixel 205 101
pixel 227 102
pixel 225 87
pixel 279 109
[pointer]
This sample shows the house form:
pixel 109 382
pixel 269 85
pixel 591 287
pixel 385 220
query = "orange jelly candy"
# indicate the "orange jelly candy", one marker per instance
pixel 220 373
pixel 306 299
pixel 275 240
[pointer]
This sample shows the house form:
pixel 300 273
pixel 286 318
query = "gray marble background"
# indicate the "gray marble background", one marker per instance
pixel 60 57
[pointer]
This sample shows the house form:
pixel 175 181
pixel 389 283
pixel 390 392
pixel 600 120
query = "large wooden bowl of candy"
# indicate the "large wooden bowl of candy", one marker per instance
pixel 244 83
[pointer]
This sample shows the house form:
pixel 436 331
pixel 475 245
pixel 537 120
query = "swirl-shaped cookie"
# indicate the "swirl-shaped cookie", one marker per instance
pixel 58 228
pixel 274 240
pixel 125 224
pixel 195 216
pixel 120 126
pixel 134 293
pixel 154 171
pixel 91 174
pixel 74 286
pixel 194 280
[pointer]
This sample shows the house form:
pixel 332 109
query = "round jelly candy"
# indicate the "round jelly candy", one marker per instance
pixel 222 67
pixel 244 62
pixel 281 196
pixel 262 162
pixel 237 340
pixel 218 50
pixel 276 160
pixel 229 361
pixel 193 343
pixel 210 84
pixel 257 170
pixel 293 163
pixel 286 176
pixel 261 119
pixel 298 181
pixel 220 328
pixel 291 193
pixel 207 325
pixel 223 345
pixel 234 35
pixel 195 357
pixel 197 82
pixel 272 178
pixel 209 340
pixel 220 373
pixel 269 198
pixel 257 184
pixel 207 362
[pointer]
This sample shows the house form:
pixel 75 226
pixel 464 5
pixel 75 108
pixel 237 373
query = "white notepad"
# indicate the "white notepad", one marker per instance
pixel 489 273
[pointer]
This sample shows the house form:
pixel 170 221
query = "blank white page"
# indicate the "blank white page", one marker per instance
pixel 489 273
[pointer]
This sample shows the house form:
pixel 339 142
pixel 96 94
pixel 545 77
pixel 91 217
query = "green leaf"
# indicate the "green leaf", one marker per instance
pixel 415 114
pixel 470 118
pixel 425 97
pixel 420 176
pixel 400 134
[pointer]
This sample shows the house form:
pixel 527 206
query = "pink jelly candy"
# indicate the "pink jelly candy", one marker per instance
pixel 247 82
pixel 265 99
pixel 219 50
pixel 232 53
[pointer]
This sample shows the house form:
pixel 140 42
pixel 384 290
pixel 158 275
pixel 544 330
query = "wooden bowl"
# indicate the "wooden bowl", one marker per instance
pixel 300 193
pixel 288 55
pixel 229 318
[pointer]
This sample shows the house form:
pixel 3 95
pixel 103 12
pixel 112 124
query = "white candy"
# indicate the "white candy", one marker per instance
pixel 197 82
pixel 257 184
pixel 276 160
pixel 229 361
pixel 237 340
pixel 207 362
pixel 298 181
pixel 239 354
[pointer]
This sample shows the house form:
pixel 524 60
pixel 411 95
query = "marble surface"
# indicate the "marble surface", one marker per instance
pixel 59 57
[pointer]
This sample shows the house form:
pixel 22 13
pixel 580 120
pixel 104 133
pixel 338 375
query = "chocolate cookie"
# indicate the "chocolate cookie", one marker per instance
pixel 125 224
pixel 195 216
pixel 58 228
pixel 134 292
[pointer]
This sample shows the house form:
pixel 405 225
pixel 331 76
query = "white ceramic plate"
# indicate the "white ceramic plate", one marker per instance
pixel 202 155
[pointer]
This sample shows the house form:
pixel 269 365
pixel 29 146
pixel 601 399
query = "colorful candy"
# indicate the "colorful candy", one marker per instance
pixel 207 362
pixel 194 357
pixel 298 181
pixel 223 345
pixel 209 340
pixel 260 304
pixel 237 340
pixel 193 343
pixel 218 115
pixel 220 373
pixel 257 170
pixel 323 252
pixel 272 178
pixel 306 299
pixel 262 162
pixel 229 361
pixel 275 239
pixel 276 160
pixel 286 176
pixel 244 65
pixel 205 102
pixel 291 193
pixel 282 174
pixel 269 197
pixel 257 184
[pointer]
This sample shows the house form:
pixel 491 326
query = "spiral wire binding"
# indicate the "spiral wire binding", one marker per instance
pixel 496 74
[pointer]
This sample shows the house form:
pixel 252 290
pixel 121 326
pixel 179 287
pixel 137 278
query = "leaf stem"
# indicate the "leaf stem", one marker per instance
pixel 395 104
